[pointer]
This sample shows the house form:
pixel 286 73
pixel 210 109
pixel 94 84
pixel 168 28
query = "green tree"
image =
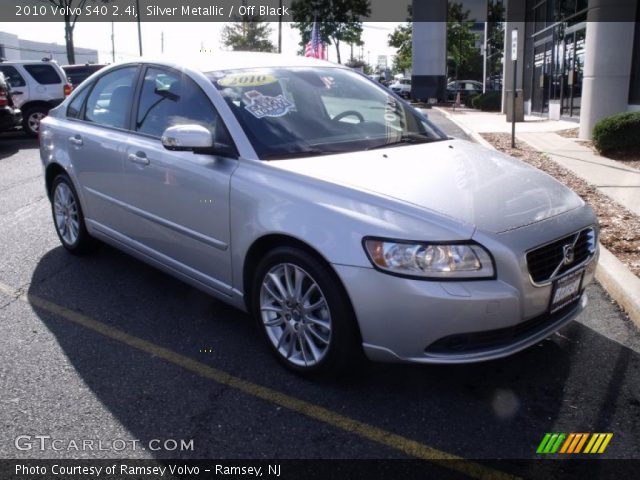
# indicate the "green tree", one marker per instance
pixel 249 34
pixel 70 19
pixel 360 64
pixel 339 21
pixel 402 39
pixel 495 41
pixel 462 54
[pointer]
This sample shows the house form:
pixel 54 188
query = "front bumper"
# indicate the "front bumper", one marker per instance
pixel 413 320
pixel 406 320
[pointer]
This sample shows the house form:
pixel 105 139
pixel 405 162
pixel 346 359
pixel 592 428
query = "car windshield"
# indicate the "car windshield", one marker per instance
pixel 297 112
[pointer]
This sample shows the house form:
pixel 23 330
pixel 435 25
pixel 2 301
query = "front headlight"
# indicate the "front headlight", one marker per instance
pixel 430 260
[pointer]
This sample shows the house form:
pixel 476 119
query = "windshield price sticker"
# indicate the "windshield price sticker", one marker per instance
pixel 265 106
pixel 246 80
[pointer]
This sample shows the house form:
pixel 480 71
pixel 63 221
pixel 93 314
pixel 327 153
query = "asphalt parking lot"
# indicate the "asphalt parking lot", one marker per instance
pixel 104 347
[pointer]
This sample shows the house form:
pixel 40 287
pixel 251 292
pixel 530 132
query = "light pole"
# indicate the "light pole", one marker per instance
pixel 484 59
pixel 113 44
pixel 514 57
pixel 280 28
pixel 139 27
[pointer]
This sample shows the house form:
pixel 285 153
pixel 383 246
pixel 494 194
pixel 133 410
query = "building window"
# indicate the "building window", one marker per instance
pixel 634 84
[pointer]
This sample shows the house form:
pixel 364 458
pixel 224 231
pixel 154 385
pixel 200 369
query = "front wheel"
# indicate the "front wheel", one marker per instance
pixel 304 313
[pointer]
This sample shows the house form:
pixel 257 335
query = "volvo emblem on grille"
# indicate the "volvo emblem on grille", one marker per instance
pixel 569 254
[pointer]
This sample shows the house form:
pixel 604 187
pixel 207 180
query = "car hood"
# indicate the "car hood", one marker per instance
pixel 461 180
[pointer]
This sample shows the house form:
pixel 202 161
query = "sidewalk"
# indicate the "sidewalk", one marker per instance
pixel 619 182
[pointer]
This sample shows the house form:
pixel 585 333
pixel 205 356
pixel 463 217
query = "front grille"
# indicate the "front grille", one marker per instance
pixel 473 342
pixel 547 262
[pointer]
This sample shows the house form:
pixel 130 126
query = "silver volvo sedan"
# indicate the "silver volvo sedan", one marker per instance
pixel 320 202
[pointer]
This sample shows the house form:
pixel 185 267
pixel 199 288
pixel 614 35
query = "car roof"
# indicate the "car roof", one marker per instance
pixel 26 62
pixel 215 61
pixel 80 66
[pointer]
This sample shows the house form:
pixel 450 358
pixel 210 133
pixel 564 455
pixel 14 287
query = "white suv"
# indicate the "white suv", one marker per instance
pixel 36 87
pixel 402 87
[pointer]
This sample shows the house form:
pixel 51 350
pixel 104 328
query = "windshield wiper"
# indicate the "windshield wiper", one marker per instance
pixel 298 154
pixel 406 140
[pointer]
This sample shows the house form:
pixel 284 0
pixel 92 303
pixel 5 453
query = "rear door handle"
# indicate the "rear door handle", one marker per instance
pixel 76 140
pixel 140 158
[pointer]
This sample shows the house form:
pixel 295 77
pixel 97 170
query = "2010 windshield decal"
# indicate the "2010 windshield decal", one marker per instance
pixel 264 106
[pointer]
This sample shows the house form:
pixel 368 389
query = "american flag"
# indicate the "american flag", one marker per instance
pixel 315 47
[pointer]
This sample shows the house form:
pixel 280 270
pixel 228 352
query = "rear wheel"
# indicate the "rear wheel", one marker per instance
pixel 303 312
pixel 31 119
pixel 68 218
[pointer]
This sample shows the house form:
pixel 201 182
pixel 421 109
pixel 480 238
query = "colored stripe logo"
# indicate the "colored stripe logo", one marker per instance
pixel 574 443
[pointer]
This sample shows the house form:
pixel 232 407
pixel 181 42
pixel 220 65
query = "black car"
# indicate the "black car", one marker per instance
pixel 466 88
pixel 10 116
pixel 78 73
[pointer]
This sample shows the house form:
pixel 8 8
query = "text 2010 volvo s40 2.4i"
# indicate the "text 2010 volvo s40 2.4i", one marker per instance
pixel 321 203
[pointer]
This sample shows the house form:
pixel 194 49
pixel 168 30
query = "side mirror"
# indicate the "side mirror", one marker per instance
pixel 187 138
pixel 196 139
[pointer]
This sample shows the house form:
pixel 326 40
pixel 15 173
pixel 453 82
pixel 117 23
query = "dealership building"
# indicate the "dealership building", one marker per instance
pixel 14 48
pixel 576 59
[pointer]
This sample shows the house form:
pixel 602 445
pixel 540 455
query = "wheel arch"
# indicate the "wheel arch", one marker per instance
pixel 261 246
pixel 25 107
pixel 51 172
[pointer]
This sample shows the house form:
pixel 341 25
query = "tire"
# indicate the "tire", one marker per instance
pixel 308 341
pixel 68 218
pixel 31 119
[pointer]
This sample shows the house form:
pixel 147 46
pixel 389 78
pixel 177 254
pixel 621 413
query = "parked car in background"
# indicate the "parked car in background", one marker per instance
pixel 76 74
pixel 402 87
pixel 10 115
pixel 467 89
pixel 311 197
pixel 36 87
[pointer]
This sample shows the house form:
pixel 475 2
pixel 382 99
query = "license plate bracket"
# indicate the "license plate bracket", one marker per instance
pixel 566 290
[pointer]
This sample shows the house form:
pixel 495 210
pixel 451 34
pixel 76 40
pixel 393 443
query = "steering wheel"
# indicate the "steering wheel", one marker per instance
pixel 348 113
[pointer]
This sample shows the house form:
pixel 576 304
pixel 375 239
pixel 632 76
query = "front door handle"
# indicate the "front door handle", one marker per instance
pixel 76 140
pixel 140 158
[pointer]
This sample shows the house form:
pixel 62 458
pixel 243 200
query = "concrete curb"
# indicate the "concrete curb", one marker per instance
pixel 614 276
pixel 475 136
pixel 620 283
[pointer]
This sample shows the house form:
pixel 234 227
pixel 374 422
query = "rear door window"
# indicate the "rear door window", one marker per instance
pixel 75 107
pixel 12 75
pixel 109 102
pixel 43 74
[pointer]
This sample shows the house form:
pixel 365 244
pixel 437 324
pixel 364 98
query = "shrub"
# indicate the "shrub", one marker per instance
pixel 470 98
pixel 488 102
pixel 619 133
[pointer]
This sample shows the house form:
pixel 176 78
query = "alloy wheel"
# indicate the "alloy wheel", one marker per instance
pixel 65 210
pixel 295 314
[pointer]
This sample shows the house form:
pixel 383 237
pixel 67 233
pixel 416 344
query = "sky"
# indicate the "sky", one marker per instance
pixel 183 38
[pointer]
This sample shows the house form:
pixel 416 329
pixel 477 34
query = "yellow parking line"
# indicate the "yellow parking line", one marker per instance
pixel 370 432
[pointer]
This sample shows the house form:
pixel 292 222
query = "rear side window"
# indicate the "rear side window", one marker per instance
pixel 43 74
pixel 12 75
pixel 110 99
pixel 75 107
